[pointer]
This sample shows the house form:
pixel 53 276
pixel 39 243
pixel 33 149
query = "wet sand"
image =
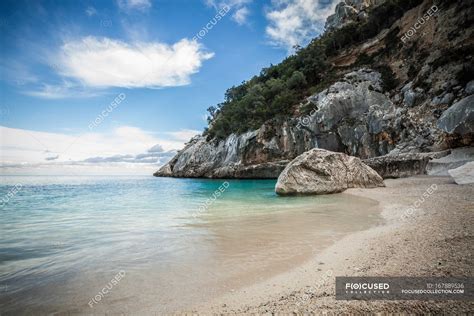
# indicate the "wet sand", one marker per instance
pixel 434 239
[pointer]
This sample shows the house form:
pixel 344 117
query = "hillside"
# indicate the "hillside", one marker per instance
pixel 389 77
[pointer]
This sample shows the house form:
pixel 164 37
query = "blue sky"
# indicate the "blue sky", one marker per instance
pixel 64 62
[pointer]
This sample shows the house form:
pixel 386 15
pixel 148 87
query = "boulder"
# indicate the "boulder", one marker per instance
pixel 319 171
pixel 463 174
pixel 459 118
pixel 458 157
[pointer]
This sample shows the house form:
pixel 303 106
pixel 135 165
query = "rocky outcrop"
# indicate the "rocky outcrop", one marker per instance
pixel 439 166
pixel 349 11
pixel 352 116
pixel 230 158
pixel 427 107
pixel 463 174
pixel 320 171
pixel 402 165
pixel 459 118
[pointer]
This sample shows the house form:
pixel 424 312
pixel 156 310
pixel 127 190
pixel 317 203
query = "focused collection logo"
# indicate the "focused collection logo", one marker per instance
pixel 367 288
pixel 404 288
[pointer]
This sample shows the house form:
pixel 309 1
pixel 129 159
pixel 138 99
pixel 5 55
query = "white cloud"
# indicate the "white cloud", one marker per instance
pixel 241 11
pixel 240 16
pixel 219 4
pixel 66 89
pixel 25 151
pixel 141 5
pixel 184 135
pixel 17 72
pixel 104 62
pixel 157 148
pixel 90 11
pixel 295 22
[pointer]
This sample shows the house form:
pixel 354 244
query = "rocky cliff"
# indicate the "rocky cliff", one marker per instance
pixel 423 103
pixel 350 11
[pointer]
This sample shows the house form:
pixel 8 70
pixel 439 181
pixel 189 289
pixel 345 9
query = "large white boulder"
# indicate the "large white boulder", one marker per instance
pixel 320 171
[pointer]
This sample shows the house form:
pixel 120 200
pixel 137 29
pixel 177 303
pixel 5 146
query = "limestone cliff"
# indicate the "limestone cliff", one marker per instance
pixel 350 11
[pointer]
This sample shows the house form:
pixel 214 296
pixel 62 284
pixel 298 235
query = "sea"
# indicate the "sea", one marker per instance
pixel 139 244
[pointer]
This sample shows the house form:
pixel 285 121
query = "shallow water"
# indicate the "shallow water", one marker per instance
pixel 65 238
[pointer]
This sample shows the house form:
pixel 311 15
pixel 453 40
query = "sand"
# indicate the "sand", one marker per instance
pixel 434 239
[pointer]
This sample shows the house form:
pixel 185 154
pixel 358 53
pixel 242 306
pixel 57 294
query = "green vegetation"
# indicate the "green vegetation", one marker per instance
pixel 275 92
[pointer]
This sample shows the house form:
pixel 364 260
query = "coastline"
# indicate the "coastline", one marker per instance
pixel 434 239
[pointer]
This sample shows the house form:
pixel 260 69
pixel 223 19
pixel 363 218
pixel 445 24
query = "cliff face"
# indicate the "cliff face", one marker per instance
pixel 363 113
pixel 350 11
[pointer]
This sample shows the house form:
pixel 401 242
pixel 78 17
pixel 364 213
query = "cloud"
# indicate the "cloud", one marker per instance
pixel 90 11
pixel 219 4
pixel 183 135
pixel 156 149
pixel 140 5
pixel 66 89
pixel 26 151
pixel 295 22
pixel 241 11
pixel 149 158
pixel 103 62
pixel 17 73
pixel 240 16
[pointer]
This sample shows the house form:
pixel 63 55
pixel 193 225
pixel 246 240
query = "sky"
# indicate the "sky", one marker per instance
pixel 117 87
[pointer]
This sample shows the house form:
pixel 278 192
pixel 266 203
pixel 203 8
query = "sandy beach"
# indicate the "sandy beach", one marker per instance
pixel 427 231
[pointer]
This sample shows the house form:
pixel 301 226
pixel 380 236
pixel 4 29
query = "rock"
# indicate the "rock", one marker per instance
pixel 449 84
pixel 436 100
pixel 320 171
pixel 343 108
pixel 269 170
pixel 469 87
pixel 164 171
pixel 459 118
pixel 353 116
pixel 224 159
pixel 463 174
pixel 402 165
pixel 349 11
pixel 447 98
pixel 411 96
pixel 439 166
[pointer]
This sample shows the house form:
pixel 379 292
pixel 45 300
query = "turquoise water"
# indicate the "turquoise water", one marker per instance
pixel 65 238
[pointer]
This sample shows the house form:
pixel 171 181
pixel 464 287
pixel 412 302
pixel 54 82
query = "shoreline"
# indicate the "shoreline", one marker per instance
pixel 435 238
